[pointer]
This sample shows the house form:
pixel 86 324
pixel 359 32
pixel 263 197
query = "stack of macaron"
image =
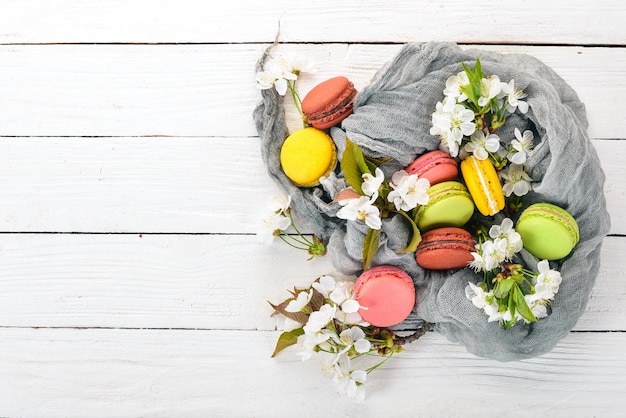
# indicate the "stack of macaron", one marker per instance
pixel 310 153
pixel 445 245
pixel 547 231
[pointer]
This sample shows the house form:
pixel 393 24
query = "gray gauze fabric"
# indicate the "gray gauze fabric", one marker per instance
pixel 392 119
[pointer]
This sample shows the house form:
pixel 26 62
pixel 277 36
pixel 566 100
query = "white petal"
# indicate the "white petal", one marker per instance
pixel 362 346
pixel 281 86
pixel 350 306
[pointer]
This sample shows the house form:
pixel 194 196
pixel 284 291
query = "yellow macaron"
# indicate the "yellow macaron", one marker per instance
pixel 306 155
pixel 483 184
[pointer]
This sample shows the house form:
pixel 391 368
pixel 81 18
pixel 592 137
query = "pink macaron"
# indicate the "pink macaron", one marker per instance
pixel 436 166
pixel 386 295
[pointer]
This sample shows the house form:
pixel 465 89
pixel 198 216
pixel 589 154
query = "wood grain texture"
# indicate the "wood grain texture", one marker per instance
pixel 229 373
pixel 195 185
pixel 531 21
pixel 130 181
pixel 193 281
pixel 209 90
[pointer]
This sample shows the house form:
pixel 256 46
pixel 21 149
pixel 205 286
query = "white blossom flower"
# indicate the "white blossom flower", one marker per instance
pixel 271 226
pixel 343 296
pixel 371 183
pixel 341 293
pixel 452 121
pixel 490 87
pixel 325 285
pixel 454 84
pixel 296 64
pixel 484 301
pixel 539 310
pixel 506 230
pixel 319 319
pixel 486 258
pixel 299 302
pixel 480 146
pixel 353 318
pixel 522 144
pixel 355 337
pixel 308 341
pixel 277 220
pixel 513 97
pixel 276 73
pixel 548 281
pixel 360 209
pixel 290 324
pixel 501 251
pixel 515 180
pixel 350 382
pixel 280 204
pixel 286 324
pixel 483 260
pixel 408 190
pixel 479 263
pixel 448 145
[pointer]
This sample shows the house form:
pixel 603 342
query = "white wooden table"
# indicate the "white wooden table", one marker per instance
pixel 130 177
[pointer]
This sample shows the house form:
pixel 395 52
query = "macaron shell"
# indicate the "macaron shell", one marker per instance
pixel 445 248
pixel 435 166
pixel 332 119
pixel 450 204
pixel 483 184
pixel 387 295
pixel 547 231
pixel 306 155
pixel 329 102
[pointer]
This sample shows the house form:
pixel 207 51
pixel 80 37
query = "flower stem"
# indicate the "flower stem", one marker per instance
pixel 282 237
pixel 293 225
pixel 296 99
pixel 374 367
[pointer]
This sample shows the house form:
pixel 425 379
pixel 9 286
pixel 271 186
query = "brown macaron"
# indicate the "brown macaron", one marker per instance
pixel 330 102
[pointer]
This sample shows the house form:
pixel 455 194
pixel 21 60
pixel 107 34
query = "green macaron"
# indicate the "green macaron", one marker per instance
pixel 449 204
pixel 548 231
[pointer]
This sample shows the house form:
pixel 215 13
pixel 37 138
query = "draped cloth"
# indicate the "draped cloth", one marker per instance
pixel 392 118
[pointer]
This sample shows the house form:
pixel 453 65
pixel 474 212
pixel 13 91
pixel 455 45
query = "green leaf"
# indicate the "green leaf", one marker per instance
pixel 475 76
pixel 504 287
pixel 370 246
pixel 286 339
pixel 354 166
pixel 511 302
pixel 300 317
pixel 416 238
pixel 522 306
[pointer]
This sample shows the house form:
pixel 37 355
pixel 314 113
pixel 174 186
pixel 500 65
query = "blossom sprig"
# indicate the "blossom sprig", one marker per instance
pixel 474 107
pixel 324 319
pixel 279 221
pixel 373 198
pixel 282 73
pixel 509 292
pixel 474 102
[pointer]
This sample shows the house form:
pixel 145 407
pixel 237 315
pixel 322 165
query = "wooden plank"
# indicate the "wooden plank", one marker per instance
pixel 37 21
pixel 225 373
pixel 146 281
pixel 194 185
pixel 192 281
pixel 209 90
